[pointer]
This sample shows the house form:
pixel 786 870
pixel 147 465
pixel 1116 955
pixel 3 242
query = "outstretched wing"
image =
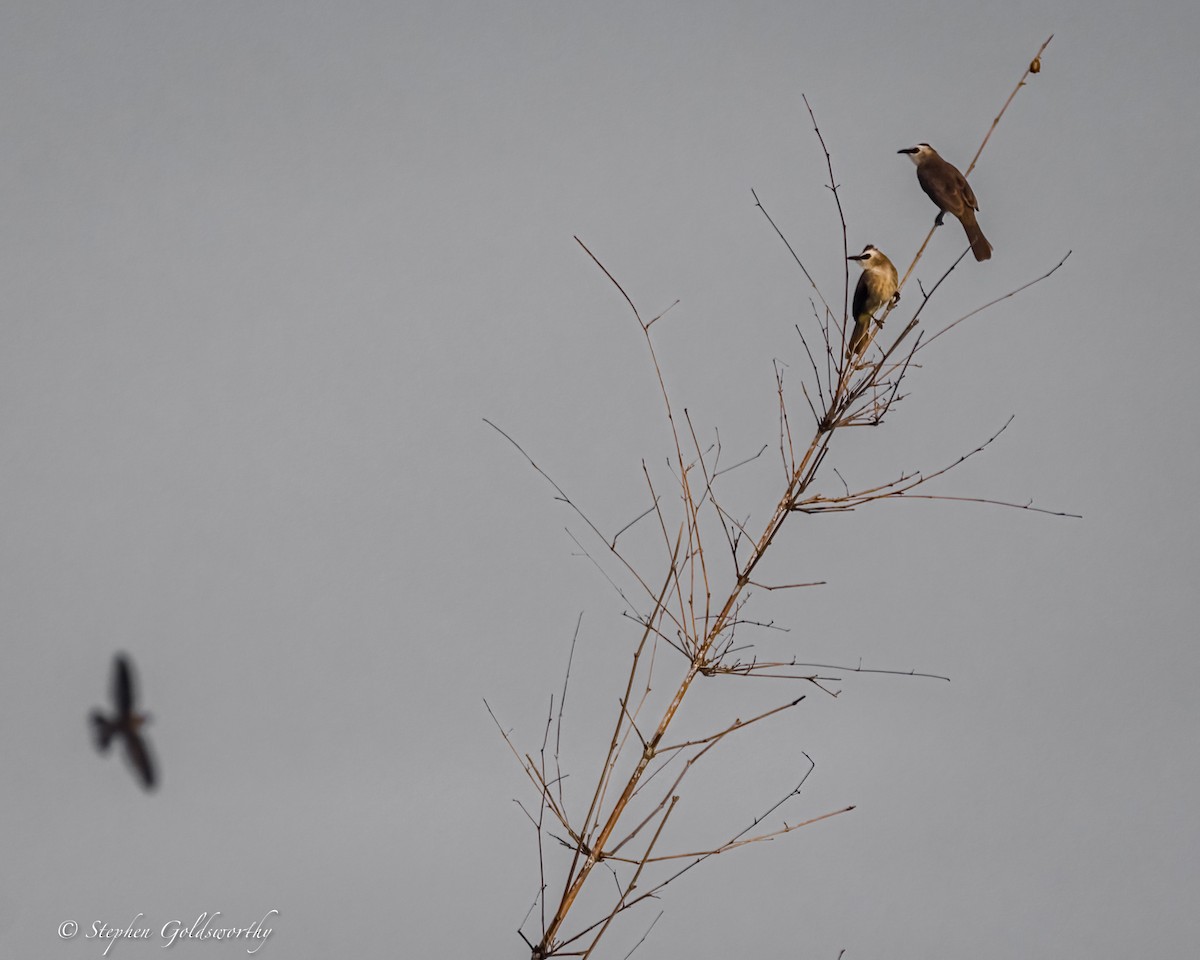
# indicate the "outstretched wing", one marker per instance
pixel 102 730
pixel 138 754
pixel 123 694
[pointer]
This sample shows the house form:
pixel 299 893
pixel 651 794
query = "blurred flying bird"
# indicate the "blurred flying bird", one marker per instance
pixel 125 723
pixel 877 287
pixel 948 188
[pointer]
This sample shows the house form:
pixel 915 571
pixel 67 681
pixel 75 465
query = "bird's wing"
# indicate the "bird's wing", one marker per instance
pixel 139 758
pixel 944 185
pixel 930 183
pixel 861 294
pixel 102 730
pixel 969 194
pixel 122 685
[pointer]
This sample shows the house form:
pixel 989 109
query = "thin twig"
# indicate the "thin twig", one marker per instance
pixel 992 303
pixel 791 250
pixel 1037 57
pixel 833 187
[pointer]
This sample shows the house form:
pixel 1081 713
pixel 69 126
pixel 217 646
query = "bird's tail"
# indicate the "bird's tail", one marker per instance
pixel 979 243
pixel 102 730
pixel 858 339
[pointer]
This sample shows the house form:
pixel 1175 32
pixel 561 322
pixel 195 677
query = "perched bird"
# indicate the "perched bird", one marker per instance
pixel 878 286
pixel 948 188
pixel 125 723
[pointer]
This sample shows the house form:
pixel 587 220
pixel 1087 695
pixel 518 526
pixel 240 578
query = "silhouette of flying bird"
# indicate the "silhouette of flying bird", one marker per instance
pixel 945 185
pixel 125 723
pixel 878 286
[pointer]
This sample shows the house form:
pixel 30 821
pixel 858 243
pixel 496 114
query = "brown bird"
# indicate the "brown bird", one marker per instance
pixel 878 286
pixel 125 723
pixel 948 188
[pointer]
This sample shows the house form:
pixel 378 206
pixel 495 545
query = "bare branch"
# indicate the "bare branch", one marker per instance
pixel 1037 59
pixel 791 250
pixel 833 186
pixel 733 845
pixel 645 513
pixel 703 618
pixel 992 303
pixel 786 586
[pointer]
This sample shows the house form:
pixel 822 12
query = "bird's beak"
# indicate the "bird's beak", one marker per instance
pixel 860 256
pixel 908 150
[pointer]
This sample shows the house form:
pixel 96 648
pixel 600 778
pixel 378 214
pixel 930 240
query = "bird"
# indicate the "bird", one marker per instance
pixel 945 185
pixel 879 285
pixel 125 723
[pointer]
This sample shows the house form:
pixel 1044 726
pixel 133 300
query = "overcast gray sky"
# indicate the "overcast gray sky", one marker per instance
pixel 265 268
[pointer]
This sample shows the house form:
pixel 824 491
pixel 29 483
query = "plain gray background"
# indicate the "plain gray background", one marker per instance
pixel 265 268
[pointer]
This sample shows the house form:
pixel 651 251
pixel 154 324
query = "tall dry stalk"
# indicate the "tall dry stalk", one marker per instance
pixel 692 610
